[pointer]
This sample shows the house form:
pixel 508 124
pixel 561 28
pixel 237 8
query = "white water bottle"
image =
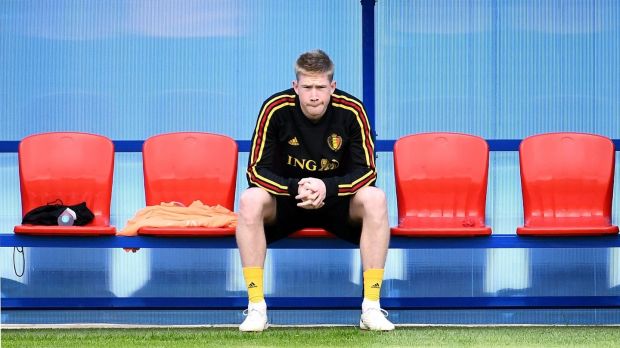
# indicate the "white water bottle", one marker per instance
pixel 67 217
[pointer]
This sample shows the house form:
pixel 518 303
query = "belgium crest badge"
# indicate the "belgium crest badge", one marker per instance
pixel 334 141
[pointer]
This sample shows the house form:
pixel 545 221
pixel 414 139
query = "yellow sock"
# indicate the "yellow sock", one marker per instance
pixel 372 284
pixel 254 281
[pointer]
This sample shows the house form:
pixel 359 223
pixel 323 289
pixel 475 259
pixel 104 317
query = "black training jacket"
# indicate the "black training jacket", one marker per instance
pixel 286 146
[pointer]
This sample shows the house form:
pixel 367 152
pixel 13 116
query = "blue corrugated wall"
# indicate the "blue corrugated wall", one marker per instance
pixel 132 69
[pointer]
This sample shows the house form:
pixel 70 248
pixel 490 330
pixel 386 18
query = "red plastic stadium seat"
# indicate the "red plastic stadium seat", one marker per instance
pixel 441 185
pixel 567 184
pixel 312 232
pixel 184 167
pixel 72 168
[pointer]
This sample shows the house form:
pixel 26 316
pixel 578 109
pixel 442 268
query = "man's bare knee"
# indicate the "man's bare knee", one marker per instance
pixel 370 200
pixel 255 205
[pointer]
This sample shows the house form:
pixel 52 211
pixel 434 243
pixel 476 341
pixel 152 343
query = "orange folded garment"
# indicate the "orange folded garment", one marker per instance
pixel 174 214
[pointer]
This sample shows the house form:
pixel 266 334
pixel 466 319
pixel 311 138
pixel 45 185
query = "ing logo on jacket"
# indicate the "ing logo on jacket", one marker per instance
pixel 311 165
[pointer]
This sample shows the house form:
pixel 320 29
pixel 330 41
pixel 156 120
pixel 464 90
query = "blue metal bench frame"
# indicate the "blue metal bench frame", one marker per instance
pixel 477 302
pixel 501 241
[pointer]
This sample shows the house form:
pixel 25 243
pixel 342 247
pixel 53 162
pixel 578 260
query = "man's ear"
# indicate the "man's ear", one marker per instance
pixel 295 85
pixel 333 86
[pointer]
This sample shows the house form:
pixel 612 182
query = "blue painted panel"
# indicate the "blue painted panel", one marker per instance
pixel 131 69
pixel 551 58
pixel 314 303
pixel 436 67
pixel 319 317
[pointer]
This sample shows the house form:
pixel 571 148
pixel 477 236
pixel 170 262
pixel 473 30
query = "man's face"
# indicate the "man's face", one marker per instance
pixel 314 92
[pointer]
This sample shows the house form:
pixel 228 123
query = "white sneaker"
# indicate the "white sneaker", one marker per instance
pixel 374 318
pixel 256 317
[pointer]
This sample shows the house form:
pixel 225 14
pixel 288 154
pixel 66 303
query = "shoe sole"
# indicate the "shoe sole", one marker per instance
pixel 364 327
pixel 259 330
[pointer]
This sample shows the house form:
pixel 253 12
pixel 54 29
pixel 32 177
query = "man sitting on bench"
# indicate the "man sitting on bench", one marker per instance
pixel 312 164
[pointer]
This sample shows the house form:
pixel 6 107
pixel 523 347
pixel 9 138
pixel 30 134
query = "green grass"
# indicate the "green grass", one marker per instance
pixel 317 337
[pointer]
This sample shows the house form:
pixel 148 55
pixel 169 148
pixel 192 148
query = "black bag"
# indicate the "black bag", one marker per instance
pixel 48 214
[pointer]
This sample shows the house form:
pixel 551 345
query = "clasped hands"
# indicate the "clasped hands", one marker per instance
pixel 311 192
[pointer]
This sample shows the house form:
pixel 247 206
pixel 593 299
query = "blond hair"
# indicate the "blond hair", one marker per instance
pixel 314 62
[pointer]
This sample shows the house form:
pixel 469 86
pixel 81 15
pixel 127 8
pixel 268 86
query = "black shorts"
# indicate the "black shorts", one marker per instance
pixel 333 217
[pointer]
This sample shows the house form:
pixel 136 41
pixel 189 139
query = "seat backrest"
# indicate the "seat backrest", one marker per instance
pixel 188 166
pixel 70 167
pixel 566 175
pixel 441 176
